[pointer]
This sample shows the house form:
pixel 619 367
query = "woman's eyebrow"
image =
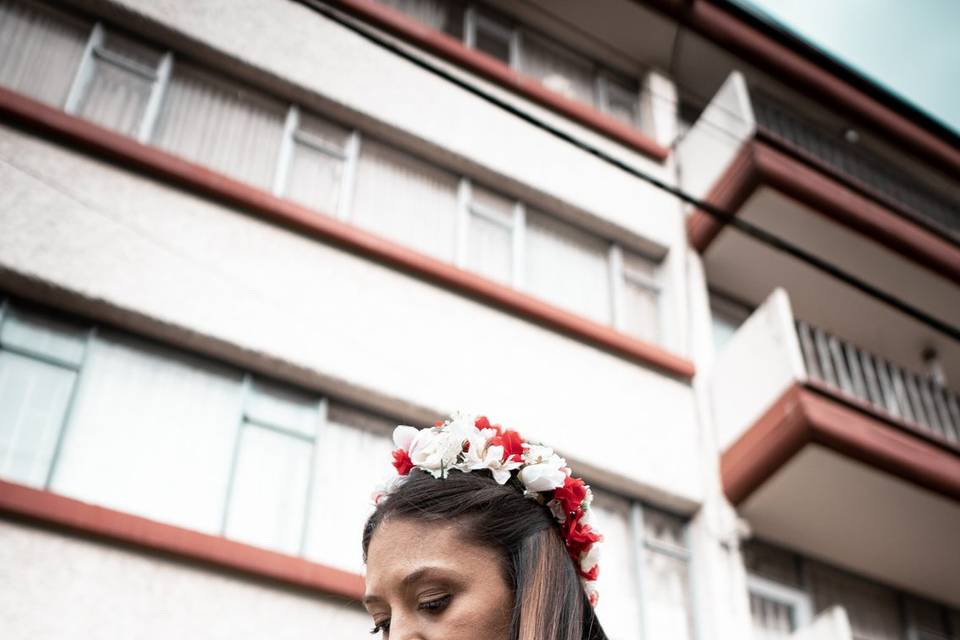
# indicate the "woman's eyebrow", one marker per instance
pixel 421 573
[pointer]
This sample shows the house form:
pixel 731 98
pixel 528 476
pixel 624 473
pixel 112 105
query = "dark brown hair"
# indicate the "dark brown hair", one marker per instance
pixel 549 602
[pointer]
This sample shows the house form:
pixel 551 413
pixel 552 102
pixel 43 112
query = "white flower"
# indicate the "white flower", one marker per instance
pixel 544 476
pixel 403 437
pixel 462 425
pixel 591 558
pixel 436 451
pixel 481 455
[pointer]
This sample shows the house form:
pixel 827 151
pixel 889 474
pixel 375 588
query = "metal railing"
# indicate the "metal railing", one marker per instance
pixel 859 167
pixel 915 399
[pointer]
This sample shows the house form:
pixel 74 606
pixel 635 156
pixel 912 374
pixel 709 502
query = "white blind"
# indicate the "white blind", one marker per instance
pixel 40 50
pixel 666 578
pixel 269 490
pixel 641 297
pixel 316 166
pixel 438 14
pixel 152 434
pixel 558 70
pixel 619 604
pixel 222 125
pixel 567 267
pixel 406 199
pixel 490 234
pixel 353 459
pixel 119 89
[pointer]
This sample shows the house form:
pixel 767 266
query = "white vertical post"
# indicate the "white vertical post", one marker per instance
pixel 84 71
pixel 638 543
pixel 519 244
pixel 157 93
pixel 470 27
pixel 464 195
pixel 349 179
pixel 285 155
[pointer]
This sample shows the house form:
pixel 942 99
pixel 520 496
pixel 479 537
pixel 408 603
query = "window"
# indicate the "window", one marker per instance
pixel 40 50
pixel 442 15
pixel 620 98
pixel 727 315
pixel 493 36
pixel 558 69
pixel 644 573
pixel 151 433
pixel 273 468
pixel 319 154
pixel 355 445
pixel 666 577
pixel 567 267
pixel 492 223
pixel 406 199
pixel 122 422
pixel 118 84
pixel 776 610
pixel 640 314
pixel 39 361
pixel 222 125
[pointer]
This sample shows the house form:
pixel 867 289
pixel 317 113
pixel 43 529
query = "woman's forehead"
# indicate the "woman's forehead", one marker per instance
pixel 400 547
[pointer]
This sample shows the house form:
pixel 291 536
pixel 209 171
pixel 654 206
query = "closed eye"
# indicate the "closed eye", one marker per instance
pixel 435 606
pixel 382 626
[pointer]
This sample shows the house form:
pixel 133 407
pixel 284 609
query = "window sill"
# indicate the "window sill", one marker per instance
pixel 74 515
pixel 130 154
pixel 453 50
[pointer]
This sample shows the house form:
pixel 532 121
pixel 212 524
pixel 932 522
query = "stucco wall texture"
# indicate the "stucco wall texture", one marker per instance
pixel 59 587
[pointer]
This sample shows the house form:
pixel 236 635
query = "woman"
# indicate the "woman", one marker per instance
pixel 482 536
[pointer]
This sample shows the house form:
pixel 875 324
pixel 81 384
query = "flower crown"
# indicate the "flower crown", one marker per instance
pixel 469 444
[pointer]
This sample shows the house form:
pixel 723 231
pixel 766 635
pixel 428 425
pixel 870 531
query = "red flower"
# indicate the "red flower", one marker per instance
pixel 571 495
pixel 402 462
pixel 512 445
pixel 590 575
pixel 484 423
pixel 578 536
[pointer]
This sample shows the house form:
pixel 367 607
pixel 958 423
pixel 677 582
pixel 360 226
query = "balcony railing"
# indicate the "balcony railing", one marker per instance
pixel 857 166
pixel 889 389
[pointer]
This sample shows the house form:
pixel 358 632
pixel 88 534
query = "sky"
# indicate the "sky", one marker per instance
pixel 911 47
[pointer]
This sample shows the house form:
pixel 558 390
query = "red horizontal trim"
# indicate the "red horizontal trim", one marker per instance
pixel 805 76
pixel 488 67
pixel 805 415
pixel 78 516
pixel 131 154
pixel 759 164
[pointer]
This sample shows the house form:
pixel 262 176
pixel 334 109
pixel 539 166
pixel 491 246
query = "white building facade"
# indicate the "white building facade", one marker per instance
pixel 240 241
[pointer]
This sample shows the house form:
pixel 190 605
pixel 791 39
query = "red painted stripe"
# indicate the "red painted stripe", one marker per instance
pixel 78 516
pixel 805 415
pixel 130 154
pixel 451 49
pixel 758 164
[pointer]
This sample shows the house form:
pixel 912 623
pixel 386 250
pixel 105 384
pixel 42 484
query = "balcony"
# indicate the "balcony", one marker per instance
pixel 839 452
pixel 855 166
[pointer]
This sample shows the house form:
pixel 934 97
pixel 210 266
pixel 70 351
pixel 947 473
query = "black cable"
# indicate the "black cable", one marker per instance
pixel 762 236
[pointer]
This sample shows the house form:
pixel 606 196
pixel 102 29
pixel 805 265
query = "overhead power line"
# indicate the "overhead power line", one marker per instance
pixel 748 229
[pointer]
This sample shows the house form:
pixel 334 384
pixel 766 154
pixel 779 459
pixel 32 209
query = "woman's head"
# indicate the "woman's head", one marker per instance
pixel 467 557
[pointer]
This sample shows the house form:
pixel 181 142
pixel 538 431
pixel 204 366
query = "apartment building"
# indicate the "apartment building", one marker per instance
pixel 240 241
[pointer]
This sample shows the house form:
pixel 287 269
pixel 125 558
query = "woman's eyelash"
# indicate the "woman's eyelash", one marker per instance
pixel 434 605
pixel 380 626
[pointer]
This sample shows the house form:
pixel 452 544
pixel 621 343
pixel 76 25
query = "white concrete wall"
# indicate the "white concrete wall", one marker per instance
pixel 291 42
pixel 138 245
pixel 716 137
pixel 55 586
pixel 759 363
